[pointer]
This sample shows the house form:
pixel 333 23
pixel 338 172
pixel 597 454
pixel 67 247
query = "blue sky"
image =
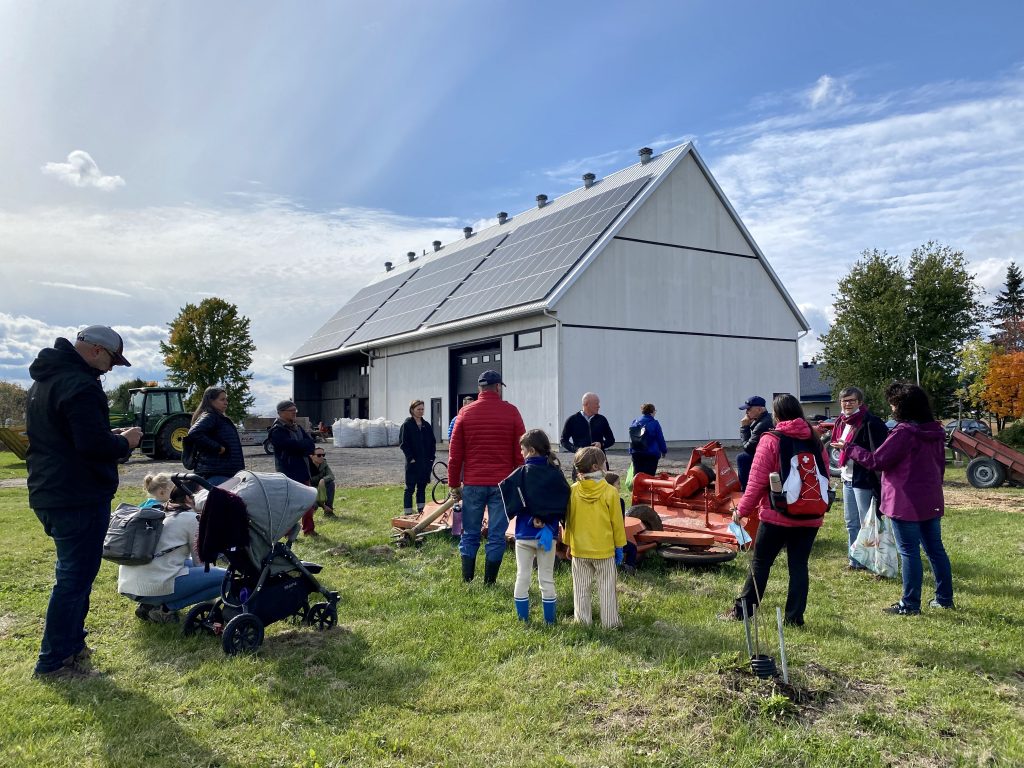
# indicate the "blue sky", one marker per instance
pixel 273 154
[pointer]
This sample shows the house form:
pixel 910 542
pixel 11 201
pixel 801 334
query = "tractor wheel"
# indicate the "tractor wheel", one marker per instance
pixel 703 556
pixel 171 438
pixel 243 634
pixel 984 472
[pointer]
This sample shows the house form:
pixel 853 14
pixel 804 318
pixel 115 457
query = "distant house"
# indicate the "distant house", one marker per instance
pixel 816 392
pixel 643 286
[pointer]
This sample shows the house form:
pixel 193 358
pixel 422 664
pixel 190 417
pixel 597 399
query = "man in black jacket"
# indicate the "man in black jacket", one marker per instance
pixel 755 422
pixel 72 478
pixel 587 427
pixel 292 444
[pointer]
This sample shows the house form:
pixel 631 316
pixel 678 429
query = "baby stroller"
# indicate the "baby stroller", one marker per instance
pixel 265 582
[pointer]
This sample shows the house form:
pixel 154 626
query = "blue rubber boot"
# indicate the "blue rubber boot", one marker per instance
pixel 549 611
pixel 523 608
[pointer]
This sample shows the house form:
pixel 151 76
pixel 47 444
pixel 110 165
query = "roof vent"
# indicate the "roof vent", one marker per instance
pixel 588 180
pixel 411 255
pixel 388 266
pixel 502 217
pixel 468 232
pixel 437 245
pixel 645 155
pixel 542 200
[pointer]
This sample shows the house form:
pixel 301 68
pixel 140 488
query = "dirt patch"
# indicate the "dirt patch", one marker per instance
pixel 6 625
pixel 959 493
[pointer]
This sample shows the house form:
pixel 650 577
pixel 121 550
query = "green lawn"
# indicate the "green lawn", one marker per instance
pixel 425 670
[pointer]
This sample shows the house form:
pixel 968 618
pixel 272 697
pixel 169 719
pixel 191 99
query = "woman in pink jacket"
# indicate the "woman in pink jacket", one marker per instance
pixel 779 530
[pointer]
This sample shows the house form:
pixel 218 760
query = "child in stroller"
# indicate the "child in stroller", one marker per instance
pixel 243 520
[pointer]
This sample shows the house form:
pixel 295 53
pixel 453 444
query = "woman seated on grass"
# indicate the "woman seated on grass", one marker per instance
pixel 176 577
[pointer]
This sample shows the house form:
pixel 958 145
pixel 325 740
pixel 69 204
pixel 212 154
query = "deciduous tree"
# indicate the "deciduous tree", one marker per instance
pixel 210 345
pixel 1004 386
pixel 974 361
pixel 120 398
pixel 13 402
pixel 883 306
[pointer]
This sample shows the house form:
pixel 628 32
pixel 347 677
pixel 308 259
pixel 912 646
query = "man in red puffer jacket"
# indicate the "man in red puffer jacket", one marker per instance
pixel 484 450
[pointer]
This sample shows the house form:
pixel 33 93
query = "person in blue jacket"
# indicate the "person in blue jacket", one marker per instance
pixel 646 441
pixel 216 439
pixel 537 496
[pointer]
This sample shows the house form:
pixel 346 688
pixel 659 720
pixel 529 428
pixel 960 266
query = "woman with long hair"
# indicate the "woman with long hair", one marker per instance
pixel 218 447
pixel 912 462
pixel 779 529
pixel 416 439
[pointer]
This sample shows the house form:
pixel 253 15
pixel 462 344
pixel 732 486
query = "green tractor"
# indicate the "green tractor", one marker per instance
pixel 160 413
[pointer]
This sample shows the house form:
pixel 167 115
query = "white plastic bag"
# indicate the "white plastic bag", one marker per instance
pixel 875 547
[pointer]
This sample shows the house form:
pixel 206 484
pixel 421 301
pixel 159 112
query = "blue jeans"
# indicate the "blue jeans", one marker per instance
pixel 78 534
pixel 196 586
pixel 855 506
pixel 910 537
pixel 474 499
pixel 743 462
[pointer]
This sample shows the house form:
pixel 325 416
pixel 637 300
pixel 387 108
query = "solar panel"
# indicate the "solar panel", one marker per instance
pixel 536 256
pixel 359 308
pixel 418 297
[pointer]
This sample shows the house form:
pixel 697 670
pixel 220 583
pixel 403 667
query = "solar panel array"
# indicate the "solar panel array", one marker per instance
pixel 359 308
pixel 418 297
pixel 504 271
pixel 536 256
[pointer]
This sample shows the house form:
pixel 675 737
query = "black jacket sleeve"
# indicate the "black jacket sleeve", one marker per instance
pixel 203 434
pixel 607 438
pixel 85 413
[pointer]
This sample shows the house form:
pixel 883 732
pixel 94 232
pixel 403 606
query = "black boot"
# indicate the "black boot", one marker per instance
pixel 491 571
pixel 468 568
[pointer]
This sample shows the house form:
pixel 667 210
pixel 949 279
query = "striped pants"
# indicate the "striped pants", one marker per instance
pixel 584 570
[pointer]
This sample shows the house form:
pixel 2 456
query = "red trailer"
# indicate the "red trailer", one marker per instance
pixel 992 463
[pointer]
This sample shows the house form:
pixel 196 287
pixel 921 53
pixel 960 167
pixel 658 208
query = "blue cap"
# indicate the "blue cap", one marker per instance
pixel 490 377
pixel 751 402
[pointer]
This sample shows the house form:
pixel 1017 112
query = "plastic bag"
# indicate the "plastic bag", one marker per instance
pixel 628 482
pixel 875 547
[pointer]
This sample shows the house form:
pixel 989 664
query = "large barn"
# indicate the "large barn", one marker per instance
pixel 643 286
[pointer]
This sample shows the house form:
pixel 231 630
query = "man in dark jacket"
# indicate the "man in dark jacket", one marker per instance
pixel 292 444
pixel 72 478
pixel 755 422
pixel 484 450
pixel 587 427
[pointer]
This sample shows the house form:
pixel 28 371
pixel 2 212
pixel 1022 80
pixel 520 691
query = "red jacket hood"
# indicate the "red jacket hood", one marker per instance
pixel 797 428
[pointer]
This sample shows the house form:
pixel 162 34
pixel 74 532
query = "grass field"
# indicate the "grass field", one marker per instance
pixel 424 670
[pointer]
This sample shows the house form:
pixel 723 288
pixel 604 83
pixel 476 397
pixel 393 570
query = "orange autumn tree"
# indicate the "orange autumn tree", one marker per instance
pixel 1004 386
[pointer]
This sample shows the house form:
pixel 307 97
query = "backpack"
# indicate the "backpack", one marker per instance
pixel 805 490
pixel 133 535
pixel 189 454
pixel 638 439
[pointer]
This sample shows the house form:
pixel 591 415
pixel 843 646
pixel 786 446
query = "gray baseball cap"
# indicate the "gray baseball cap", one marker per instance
pixel 107 338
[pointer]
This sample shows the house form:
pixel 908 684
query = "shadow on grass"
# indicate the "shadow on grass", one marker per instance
pixel 135 728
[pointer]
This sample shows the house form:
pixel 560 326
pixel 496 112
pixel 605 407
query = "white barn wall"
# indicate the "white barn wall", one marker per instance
pixel 419 370
pixel 697 383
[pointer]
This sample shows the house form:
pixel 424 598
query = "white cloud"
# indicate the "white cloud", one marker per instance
pixel 91 288
pixel 81 171
pixel 827 92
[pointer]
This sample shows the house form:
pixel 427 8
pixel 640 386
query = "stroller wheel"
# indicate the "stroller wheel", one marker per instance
pixel 198 619
pixel 299 617
pixel 322 616
pixel 243 634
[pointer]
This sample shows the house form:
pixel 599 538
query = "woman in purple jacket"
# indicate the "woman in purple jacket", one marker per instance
pixel 912 461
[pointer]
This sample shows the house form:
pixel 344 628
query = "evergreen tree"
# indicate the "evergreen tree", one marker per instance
pixel 1008 313
pixel 210 345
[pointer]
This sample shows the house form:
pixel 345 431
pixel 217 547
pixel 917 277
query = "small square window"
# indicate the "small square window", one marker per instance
pixel 487 358
pixel 465 361
pixel 475 360
pixel 497 357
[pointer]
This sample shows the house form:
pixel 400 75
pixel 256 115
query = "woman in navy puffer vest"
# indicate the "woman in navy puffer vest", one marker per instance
pixel 218 447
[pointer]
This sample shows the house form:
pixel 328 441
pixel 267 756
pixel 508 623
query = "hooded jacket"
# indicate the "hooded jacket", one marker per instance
pixel 211 432
pixel 654 438
pixel 912 461
pixel 485 444
pixel 537 489
pixel 594 526
pixel 292 446
pixel 766 461
pixel 72 454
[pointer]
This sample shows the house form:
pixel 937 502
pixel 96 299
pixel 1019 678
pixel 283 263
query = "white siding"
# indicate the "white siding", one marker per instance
pixel 696 383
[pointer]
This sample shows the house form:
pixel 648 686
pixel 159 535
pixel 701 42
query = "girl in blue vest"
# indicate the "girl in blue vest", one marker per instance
pixel 536 495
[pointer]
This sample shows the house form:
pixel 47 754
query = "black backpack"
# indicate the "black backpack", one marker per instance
pixel 133 535
pixel 189 454
pixel 638 439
